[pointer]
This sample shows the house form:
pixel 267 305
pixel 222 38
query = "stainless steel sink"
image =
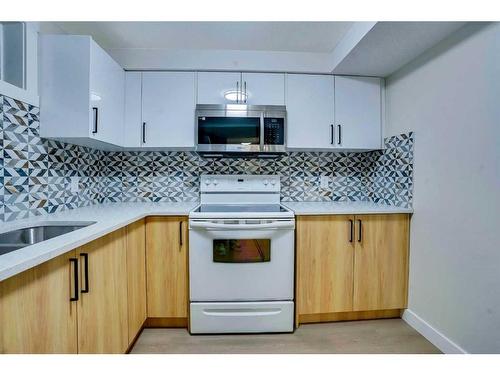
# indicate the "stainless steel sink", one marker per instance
pixel 19 238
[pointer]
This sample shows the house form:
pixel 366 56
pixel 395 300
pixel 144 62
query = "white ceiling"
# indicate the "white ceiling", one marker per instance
pixel 316 37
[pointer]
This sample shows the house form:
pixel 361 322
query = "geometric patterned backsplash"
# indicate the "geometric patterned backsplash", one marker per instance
pixel 36 173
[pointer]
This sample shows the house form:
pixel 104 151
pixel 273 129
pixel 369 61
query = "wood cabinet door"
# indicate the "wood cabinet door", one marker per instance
pixel 381 262
pixel 36 314
pixel 136 277
pixel 102 311
pixel 325 253
pixel 310 111
pixel 166 265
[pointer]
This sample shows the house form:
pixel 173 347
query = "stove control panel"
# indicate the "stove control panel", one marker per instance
pixel 240 183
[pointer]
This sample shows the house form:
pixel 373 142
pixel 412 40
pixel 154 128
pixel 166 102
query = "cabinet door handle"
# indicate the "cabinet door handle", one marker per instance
pixel 237 91
pixel 85 272
pixel 143 132
pixel 74 261
pixel 339 141
pixel 360 231
pixel 245 91
pixel 180 236
pixel 331 134
pixel 351 231
pixel 95 112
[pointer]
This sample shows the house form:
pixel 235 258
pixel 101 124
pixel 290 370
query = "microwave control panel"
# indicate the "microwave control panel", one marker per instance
pixel 274 131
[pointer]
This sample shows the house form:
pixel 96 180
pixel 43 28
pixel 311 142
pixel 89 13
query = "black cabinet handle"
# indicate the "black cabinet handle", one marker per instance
pixel 351 232
pixel 143 132
pixel 237 91
pixel 74 261
pixel 180 236
pixel 85 272
pixel 331 134
pixel 360 232
pixel 340 134
pixel 245 91
pixel 95 111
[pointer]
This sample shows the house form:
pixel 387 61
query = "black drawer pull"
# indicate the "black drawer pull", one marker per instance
pixel 351 231
pixel 360 233
pixel 180 236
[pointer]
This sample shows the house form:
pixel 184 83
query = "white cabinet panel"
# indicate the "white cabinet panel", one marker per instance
pixel 264 88
pixel 132 136
pixel 310 111
pixel 77 76
pixel 213 85
pixel 107 90
pixel 358 113
pixel 168 106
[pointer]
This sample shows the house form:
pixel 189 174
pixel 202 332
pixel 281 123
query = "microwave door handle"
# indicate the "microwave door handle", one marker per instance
pixel 208 226
pixel 262 131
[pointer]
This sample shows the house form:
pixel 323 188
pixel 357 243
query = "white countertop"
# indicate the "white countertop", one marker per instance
pixel 108 217
pixel 112 216
pixel 337 208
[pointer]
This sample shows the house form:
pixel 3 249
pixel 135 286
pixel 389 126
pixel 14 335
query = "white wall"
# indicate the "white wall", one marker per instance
pixel 450 97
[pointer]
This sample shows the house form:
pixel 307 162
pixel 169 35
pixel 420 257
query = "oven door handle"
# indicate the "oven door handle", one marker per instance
pixel 273 225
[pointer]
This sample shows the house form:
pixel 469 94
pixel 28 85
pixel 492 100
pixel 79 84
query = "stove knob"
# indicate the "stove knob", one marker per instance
pixel 273 182
pixel 266 181
pixel 214 181
pixel 207 182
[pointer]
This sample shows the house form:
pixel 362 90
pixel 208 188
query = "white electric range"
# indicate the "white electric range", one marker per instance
pixel 241 257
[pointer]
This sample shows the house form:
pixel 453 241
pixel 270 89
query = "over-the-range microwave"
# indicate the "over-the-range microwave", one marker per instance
pixel 240 130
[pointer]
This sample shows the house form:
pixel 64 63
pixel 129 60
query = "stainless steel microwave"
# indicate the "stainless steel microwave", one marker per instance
pixel 236 129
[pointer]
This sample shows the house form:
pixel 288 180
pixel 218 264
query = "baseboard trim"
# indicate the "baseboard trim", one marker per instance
pixel 439 340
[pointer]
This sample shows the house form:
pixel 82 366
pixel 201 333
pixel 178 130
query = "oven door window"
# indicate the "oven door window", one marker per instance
pixel 228 130
pixel 242 251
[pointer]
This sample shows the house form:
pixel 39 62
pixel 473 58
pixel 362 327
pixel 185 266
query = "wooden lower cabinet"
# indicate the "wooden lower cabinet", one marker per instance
pixel 324 264
pixel 351 266
pixel 102 311
pixel 167 268
pixel 381 262
pixel 36 314
pixel 136 277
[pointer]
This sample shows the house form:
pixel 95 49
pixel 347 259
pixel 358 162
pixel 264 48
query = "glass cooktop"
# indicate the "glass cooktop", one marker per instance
pixel 241 208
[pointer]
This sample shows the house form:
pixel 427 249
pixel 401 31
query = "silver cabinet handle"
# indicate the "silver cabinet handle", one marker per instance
pixel 237 91
pixel 245 91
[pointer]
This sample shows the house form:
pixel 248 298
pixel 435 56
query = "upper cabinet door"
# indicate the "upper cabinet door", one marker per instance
pixel 107 87
pixel 213 85
pixel 310 111
pixel 168 106
pixel 358 113
pixel 264 88
pixel 132 136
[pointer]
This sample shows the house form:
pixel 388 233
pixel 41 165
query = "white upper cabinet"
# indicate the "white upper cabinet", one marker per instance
pixel 264 88
pixel 213 85
pixel 132 136
pixel 358 113
pixel 82 91
pixel 168 106
pixel 310 111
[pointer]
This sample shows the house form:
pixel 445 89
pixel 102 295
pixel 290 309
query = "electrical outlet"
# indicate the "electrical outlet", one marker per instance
pixel 325 182
pixel 75 184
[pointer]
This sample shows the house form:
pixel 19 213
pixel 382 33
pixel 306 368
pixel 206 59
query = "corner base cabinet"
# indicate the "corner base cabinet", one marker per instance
pixel 351 266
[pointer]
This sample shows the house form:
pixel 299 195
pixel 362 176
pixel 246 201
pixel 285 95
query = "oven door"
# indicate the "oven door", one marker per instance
pixel 241 260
